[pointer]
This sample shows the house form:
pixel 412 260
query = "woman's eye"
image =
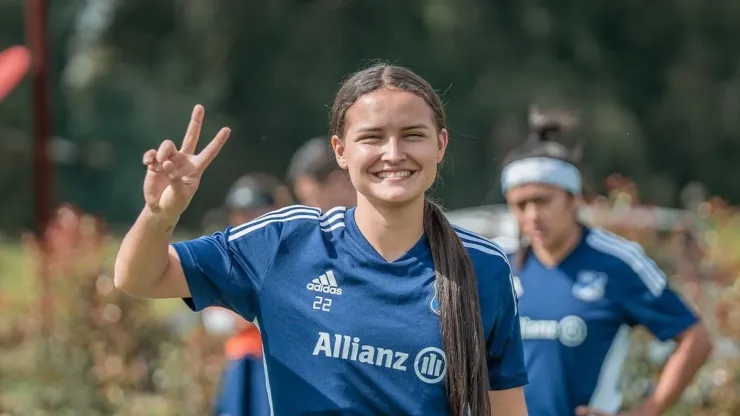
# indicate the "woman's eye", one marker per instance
pixel 369 138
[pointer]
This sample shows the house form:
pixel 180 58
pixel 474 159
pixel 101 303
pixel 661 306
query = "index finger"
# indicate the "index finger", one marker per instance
pixel 190 141
pixel 211 151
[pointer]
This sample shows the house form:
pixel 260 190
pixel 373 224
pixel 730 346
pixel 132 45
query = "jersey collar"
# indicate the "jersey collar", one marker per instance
pixel 420 250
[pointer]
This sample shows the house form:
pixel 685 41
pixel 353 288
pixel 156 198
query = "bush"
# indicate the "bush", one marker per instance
pixel 96 351
pixel 702 261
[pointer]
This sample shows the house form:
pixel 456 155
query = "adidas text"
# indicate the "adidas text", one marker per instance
pixel 326 283
pixel 318 287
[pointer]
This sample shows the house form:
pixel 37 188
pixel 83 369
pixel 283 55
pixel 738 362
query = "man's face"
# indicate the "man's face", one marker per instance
pixel 337 190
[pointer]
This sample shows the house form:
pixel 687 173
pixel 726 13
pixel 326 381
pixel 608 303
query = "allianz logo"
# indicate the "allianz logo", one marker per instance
pixel 429 364
pixel 571 331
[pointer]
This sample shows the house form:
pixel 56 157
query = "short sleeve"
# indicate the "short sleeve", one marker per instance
pixel 649 300
pixel 228 268
pixel 506 368
pixel 510 247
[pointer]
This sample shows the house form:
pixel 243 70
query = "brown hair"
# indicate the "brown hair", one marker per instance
pixel 543 130
pixel 462 330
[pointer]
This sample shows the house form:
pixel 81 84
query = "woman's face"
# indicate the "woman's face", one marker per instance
pixel 391 147
pixel 545 213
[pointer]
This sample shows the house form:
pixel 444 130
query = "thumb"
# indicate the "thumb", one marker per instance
pixel 175 196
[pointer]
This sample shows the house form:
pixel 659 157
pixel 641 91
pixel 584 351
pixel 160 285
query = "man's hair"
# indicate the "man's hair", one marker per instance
pixel 254 190
pixel 314 159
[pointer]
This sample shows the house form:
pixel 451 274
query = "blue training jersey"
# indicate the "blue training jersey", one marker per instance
pixel 576 319
pixel 342 328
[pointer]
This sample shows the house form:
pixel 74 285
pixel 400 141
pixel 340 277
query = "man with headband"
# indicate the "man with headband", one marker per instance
pixel 581 289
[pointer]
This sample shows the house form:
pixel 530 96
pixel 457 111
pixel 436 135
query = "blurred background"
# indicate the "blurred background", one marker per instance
pixel 656 86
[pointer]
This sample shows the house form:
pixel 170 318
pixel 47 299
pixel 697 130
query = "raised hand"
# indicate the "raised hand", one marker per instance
pixel 173 175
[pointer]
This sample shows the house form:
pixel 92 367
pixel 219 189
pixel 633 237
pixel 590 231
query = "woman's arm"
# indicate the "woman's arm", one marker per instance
pixel 146 266
pixel 692 351
pixel 690 354
pixel 508 402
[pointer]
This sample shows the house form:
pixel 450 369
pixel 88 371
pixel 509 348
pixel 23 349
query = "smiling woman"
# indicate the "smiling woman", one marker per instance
pixel 392 144
pixel 336 288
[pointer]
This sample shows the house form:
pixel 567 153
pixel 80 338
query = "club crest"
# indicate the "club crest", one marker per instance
pixel 590 285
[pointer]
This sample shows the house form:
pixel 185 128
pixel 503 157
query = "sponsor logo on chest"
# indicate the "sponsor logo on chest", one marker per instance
pixel 429 364
pixel 571 331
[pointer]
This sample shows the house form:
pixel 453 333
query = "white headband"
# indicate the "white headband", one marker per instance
pixel 542 170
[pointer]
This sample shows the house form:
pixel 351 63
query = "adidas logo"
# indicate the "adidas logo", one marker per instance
pixel 326 283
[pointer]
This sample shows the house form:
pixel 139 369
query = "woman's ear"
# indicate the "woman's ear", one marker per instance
pixel 442 139
pixel 338 146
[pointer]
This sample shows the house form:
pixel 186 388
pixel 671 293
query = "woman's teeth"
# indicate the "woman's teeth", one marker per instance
pixel 398 174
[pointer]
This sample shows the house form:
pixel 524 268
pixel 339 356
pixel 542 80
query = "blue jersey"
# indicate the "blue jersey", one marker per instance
pixel 576 316
pixel 342 328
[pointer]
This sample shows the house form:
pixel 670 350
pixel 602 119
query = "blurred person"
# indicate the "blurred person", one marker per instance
pixel 254 195
pixel 580 290
pixel 316 178
pixel 374 309
pixel 242 389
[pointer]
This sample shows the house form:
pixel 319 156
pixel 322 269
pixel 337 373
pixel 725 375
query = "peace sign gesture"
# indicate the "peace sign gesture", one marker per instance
pixel 173 175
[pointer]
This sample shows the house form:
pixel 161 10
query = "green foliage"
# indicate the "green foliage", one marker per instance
pixel 656 85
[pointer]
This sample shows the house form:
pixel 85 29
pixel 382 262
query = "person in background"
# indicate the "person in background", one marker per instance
pixel 242 391
pixel 254 195
pixel 316 178
pixel 580 289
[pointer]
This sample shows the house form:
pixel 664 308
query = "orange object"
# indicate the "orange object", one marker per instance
pixel 14 64
pixel 247 342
